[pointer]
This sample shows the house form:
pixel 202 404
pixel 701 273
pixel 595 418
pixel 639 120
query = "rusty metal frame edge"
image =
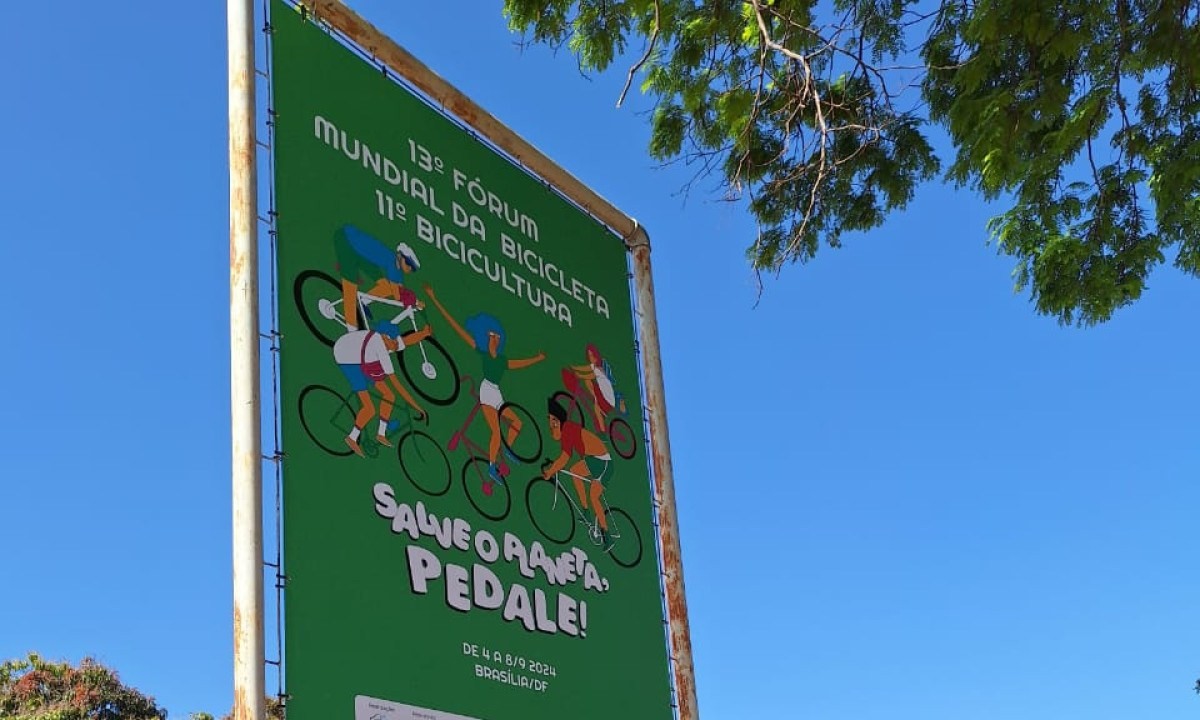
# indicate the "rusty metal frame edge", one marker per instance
pixel 369 38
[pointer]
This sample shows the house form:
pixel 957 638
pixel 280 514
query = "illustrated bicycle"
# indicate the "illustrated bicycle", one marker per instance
pixel 489 498
pixel 555 513
pixel 427 366
pixel 580 404
pixel 327 417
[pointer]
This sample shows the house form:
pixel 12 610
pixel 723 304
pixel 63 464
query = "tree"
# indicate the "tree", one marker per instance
pixel 1080 114
pixel 35 689
pixel 274 710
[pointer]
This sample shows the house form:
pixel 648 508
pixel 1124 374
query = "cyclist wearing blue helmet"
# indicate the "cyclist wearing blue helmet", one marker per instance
pixel 485 334
pixel 361 259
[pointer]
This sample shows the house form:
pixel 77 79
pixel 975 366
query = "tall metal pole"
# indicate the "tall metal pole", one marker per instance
pixel 638 243
pixel 249 682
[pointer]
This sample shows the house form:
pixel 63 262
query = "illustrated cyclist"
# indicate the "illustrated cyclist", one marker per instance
pixel 484 334
pixel 593 463
pixel 365 358
pixel 595 376
pixel 363 259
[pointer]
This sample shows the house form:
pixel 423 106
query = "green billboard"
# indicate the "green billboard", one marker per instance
pixel 467 512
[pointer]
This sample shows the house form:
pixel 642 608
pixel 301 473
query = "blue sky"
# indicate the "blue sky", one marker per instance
pixel 902 494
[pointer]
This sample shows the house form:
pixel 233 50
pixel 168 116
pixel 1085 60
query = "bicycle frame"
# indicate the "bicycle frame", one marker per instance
pixel 329 310
pixel 579 393
pixel 593 526
pixel 398 423
pixel 460 435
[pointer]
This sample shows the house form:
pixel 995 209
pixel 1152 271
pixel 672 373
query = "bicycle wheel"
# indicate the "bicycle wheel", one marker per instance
pixel 327 418
pixel 568 401
pixel 621 437
pixel 550 510
pixel 424 463
pixel 476 484
pixel 430 371
pixel 310 289
pixel 527 445
pixel 627 546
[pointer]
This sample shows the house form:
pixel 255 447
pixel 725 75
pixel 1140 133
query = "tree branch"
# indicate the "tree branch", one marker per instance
pixel 649 50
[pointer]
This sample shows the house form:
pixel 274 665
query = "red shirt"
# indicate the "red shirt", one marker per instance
pixel 571 438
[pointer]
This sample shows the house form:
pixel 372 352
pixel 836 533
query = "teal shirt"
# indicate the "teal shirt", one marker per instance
pixel 494 367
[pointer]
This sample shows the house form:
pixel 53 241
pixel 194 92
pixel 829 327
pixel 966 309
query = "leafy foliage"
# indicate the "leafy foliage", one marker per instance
pixel 1082 114
pixel 274 710
pixel 35 689
pixel 1085 112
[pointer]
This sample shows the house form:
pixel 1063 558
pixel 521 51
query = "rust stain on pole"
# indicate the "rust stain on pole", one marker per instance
pixel 660 453
pixel 241 706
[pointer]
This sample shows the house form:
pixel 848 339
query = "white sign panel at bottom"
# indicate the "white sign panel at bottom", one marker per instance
pixel 369 708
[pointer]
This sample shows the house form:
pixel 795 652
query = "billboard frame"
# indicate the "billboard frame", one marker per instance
pixel 249 653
